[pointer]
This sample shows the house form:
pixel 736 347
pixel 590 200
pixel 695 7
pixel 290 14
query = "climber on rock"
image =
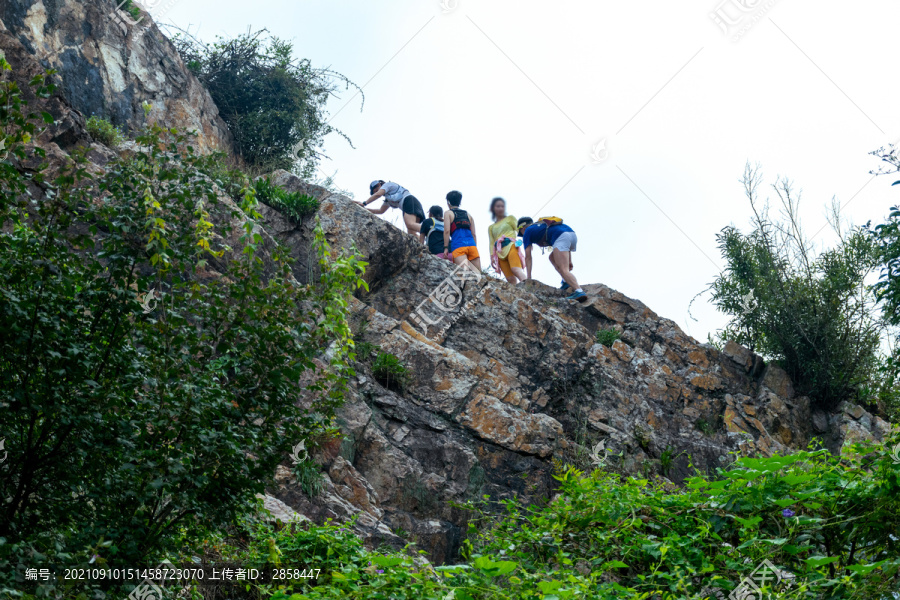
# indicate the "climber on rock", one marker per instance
pixel 460 241
pixel 432 232
pixel 551 232
pixel 506 255
pixel 396 196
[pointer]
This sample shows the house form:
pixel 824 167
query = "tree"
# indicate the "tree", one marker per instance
pixel 273 104
pixel 144 396
pixel 809 311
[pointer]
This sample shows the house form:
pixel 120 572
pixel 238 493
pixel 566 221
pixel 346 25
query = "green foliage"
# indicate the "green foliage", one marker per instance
pixel 666 459
pixel 704 426
pixel 390 372
pixel 273 104
pixel 292 204
pixel 610 537
pixel 132 418
pixel 104 132
pixel 365 350
pixel 309 478
pixel 608 337
pixel 810 312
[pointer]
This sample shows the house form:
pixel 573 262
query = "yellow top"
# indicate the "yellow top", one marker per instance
pixel 504 227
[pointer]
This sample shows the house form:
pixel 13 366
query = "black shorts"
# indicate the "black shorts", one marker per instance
pixel 411 205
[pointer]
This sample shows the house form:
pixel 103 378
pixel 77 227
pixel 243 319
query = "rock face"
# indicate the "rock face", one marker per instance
pixel 109 67
pixel 510 379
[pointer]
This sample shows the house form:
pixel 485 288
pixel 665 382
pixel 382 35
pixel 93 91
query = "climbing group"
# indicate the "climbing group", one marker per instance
pixel 450 234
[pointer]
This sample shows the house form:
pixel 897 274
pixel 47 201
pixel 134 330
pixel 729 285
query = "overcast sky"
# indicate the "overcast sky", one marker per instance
pixel 510 98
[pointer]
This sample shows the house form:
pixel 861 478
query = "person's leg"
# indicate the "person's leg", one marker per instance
pixel 412 224
pixel 515 264
pixel 560 260
pixel 508 272
pixel 474 257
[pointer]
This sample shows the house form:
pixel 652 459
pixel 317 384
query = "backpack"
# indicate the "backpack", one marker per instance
pixel 549 222
pixel 438 227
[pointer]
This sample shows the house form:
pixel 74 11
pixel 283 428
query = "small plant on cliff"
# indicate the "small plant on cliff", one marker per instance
pixel 293 205
pixel 104 132
pixel 273 104
pixel 608 337
pixel 390 372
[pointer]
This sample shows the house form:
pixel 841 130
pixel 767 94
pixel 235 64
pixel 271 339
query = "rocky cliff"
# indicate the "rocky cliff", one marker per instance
pixel 505 382
pixel 511 379
pixel 109 64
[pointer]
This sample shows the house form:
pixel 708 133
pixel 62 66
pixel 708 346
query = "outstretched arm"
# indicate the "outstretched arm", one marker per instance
pixel 380 193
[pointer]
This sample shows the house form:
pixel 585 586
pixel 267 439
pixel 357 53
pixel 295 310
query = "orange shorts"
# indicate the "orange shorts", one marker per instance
pixel 471 252
pixel 510 262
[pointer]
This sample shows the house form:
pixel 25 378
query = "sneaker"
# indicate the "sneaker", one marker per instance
pixel 564 286
pixel 580 296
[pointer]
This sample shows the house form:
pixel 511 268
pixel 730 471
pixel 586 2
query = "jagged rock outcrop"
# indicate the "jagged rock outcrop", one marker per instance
pixel 109 68
pixel 513 378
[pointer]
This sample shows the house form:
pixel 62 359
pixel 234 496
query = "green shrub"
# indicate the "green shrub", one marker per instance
pixel 132 420
pixel 608 337
pixel 292 204
pixel 704 426
pixel 104 132
pixel 309 478
pixel 390 372
pixel 365 350
pixel 808 311
pixel 609 537
pixel 273 104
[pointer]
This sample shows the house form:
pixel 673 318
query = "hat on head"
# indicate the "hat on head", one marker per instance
pixel 374 185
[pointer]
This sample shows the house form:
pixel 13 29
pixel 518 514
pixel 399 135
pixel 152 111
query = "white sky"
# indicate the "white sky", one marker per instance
pixel 509 97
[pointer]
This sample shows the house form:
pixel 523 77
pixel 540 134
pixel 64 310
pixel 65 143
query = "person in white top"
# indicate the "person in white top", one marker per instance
pixel 396 196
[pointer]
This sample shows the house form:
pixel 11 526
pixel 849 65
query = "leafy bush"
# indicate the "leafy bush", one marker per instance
pixel 812 313
pixel 104 132
pixel 309 478
pixel 390 372
pixel 824 523
pixel 292 204
pixel 131 419
pixel 608 337
pixel 273 105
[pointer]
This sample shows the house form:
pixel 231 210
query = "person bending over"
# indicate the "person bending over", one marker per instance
pixel 396 196
pixel 562 239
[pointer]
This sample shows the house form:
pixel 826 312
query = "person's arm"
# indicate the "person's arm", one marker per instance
pixel 423 231
pixel 528 261
pixel 448 219
pixel 472 225
pixel 380 211
pixel 492 239
pixel 380 193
